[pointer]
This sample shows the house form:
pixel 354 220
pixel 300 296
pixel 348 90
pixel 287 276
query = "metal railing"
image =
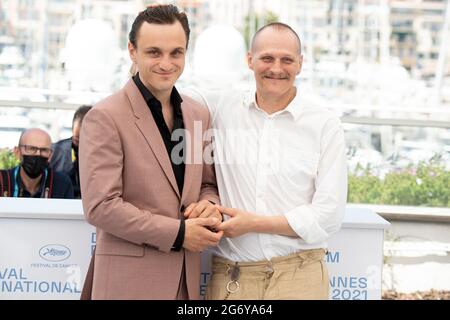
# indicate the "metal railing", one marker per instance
pixel 363 120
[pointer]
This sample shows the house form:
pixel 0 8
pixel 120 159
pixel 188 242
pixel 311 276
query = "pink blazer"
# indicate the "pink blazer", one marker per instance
pixel 130 194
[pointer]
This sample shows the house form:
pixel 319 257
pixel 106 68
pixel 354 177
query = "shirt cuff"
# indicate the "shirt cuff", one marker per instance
pixel 302 220
pixel 179 241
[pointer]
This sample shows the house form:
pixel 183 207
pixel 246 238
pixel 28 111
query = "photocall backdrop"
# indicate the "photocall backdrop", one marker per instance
pixel 46 245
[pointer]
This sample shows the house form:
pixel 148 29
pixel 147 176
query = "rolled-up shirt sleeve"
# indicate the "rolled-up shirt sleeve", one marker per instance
pixel 315 222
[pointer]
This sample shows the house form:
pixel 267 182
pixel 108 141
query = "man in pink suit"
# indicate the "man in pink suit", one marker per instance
pixel 141 166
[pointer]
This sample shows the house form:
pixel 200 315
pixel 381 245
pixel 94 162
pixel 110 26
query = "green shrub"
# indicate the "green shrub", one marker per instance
pixel 364 187
pixel 427 184
pixel 7 159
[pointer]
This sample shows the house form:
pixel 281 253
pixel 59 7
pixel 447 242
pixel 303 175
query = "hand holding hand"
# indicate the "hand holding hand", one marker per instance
pixel 197 237
pixel 203 209
pixel 240 222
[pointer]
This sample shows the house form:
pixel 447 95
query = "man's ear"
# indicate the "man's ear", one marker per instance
pixel 250 60
pixel 16 152
pixel 132 52
pixel 300 64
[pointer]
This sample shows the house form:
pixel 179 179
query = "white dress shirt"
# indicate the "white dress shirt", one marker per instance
pixel 290 163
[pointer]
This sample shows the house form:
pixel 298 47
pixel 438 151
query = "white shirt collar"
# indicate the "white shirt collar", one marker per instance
pixel 295 107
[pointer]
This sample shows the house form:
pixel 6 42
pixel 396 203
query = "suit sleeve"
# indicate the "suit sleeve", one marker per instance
pixel 101 166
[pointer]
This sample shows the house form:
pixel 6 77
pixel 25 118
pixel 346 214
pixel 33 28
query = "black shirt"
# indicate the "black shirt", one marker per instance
pixel 156 110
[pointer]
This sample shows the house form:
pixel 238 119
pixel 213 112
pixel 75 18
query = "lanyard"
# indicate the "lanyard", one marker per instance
pixel 16 184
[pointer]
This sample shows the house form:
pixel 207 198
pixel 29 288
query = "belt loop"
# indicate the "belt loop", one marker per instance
pixel 302 257
pixel 269 267
pixel 228 269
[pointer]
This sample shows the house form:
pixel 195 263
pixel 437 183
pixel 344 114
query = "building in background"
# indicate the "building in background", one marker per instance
pixel 417 34
pixel 373 59
pixel 337 30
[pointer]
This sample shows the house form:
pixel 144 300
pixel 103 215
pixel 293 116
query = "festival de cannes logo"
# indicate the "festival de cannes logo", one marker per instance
pixel 54 252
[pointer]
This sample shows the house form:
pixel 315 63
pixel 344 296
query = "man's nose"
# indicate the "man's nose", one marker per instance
pixel 276 67
pixel 165 63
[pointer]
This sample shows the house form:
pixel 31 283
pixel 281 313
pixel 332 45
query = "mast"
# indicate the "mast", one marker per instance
pixel 443 51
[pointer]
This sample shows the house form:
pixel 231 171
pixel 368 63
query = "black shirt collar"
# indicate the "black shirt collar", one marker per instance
pixel 23 192
pixel 175 97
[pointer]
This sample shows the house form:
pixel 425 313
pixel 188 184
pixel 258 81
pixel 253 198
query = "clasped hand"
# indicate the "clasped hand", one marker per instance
pixel 238 223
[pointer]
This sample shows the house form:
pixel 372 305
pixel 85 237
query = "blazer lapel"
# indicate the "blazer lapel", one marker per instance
pixel 190 150
pixel 146 124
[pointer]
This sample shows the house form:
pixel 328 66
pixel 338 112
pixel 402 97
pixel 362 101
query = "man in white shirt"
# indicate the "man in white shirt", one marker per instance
pixel 282 164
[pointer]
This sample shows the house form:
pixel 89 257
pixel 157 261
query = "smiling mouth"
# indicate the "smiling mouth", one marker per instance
pixel 272 78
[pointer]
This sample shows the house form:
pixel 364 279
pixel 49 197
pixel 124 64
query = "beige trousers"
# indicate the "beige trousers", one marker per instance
pixel 298 276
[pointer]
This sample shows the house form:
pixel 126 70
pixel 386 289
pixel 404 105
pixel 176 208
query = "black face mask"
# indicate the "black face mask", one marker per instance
pixel 34 165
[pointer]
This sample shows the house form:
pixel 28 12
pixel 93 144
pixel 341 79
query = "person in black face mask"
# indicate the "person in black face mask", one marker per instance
pixel 65 152
pixel 34 166
pixel 33 178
